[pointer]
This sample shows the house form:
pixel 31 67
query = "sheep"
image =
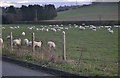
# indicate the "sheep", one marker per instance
pixel 110 30
pixel 66 28
pixel 51 45
pixel 26 41
pixel 61 25
pixel 18 26
pixel 94 29
pixel 82 28
pixel 36 44
pixel 58 29
pixel 29 43
pixel 43 29
pixel 23 33
pixel 11 28
pixel 76 26
pixel 8 37
pixel 3 27
pixel 53 29
pixel 1 42
pixel 37 28
pixel 17 42
pixel 46 30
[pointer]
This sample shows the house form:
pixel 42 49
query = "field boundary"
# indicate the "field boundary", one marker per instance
pixel 49 70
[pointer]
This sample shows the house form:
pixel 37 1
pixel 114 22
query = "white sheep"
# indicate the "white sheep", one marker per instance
pixel 51 45
pixel 36 44
pixel 23 33
pixel 1 42
pixel 17 42
pixel 8 37
pixel 110 30
pixel 82 28
pixel 66 28
pixel 94 29
pixel 26 41
pixel 46 30
pixel 53 29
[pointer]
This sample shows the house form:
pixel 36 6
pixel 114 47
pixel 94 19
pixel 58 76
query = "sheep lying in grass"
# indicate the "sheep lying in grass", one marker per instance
pixel 1 42
pixel 51 45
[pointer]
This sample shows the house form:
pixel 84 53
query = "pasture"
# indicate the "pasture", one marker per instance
pixel 100 11
pixel 99 48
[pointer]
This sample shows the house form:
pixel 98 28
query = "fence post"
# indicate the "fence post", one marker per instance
pixel 33 38
pixel 64 45
pixel 11 41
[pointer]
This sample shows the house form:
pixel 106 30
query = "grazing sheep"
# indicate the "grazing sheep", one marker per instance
pixel 17 42
pixel 11 28
pixel 66 28
pixel 51 45
pixel 94 29
pixel 110 30
pixel 37 28
pixel 26 41
pixel 23 33
pixel 53 29
pixel 82 28
pixel 36 44
pixel 46 30
pixel 8 37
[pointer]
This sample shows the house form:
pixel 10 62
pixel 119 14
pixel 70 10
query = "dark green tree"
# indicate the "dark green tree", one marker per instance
pixel 11 10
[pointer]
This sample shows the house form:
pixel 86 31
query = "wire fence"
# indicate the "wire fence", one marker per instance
pixel 42 52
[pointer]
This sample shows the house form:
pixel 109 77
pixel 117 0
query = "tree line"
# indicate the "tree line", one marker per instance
pixel 12 14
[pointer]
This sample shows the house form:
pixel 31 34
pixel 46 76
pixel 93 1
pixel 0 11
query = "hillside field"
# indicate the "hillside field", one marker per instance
pixel 103 11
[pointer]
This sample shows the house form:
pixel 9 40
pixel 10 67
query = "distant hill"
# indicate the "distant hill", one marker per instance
pixel 97 11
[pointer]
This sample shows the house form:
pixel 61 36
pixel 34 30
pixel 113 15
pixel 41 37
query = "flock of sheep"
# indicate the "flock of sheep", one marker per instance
pixel 54 28
pixel 18 42
pixel 37 44
pixel 61 27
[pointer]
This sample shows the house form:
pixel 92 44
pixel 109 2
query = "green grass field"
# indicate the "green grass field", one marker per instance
pixel 108 11
pixel 99 48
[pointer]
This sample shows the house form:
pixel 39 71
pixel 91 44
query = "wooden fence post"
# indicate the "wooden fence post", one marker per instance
pixel 11 41
pixel 33 39
pixel 64 45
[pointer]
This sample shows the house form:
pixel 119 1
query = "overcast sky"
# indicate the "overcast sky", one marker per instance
pixel 20 2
